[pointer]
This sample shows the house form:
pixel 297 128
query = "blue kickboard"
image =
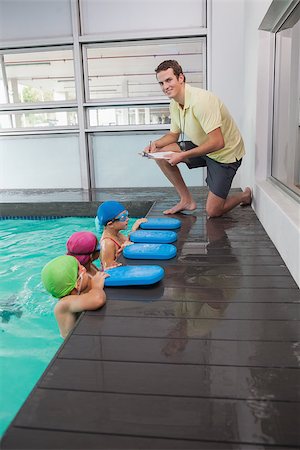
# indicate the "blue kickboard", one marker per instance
pixel 150 251
pixel 154 236
pixel 134 275
pixel 161 223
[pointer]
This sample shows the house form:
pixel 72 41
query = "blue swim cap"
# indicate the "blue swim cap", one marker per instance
pixel 108 211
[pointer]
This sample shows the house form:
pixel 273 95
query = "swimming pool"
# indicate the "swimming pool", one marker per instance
pixel 29 332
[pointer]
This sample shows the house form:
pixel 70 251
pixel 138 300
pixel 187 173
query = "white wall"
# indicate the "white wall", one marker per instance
pixel 227 60
pixel 254 13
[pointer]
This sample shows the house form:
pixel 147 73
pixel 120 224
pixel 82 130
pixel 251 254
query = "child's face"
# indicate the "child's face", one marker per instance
pixel 121 221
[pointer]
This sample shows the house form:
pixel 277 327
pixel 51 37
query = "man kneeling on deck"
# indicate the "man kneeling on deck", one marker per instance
pixel 66 279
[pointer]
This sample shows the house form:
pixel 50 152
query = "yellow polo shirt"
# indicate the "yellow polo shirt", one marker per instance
pixel 203 112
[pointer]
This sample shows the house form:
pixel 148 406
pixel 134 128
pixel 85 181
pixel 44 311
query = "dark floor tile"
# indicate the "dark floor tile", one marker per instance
pixel 201 245
pixel 203 259
pixel 179 293
pixel 261 251
pixel 181 350
pixel 174 267
pixel 173 379
pixel 201 310
pixel 249 330
pixel 33 439
pixel 179 277
pixel 163 417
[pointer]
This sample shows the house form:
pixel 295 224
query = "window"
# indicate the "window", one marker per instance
pixel 127 71
pixel 129 115
pixel 144 18
pixel 286 122
pixel 37 77
pixel 38 119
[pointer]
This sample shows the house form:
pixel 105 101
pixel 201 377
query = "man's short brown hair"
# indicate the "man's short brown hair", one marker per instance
pixel 170 64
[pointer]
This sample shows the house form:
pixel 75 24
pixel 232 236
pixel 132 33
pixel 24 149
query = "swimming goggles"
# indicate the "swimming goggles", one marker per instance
pixel 122 217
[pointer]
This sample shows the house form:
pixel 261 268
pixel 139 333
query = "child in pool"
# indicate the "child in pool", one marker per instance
pixel 67 280
pixel 114 217
pixel 85 247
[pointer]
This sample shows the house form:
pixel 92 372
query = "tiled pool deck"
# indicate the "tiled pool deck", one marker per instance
pixel 206 359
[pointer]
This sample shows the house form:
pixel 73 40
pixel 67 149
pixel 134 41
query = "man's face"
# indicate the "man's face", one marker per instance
pixel 169 83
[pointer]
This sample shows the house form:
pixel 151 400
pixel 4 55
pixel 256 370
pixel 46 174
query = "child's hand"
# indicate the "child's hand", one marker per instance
pixel 113 266
pixel 125 245
pixel 119 251
pixel 137 223
pixel 98 280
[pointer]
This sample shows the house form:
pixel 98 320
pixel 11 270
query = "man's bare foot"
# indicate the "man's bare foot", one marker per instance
pixel 247 197
pixel 181 206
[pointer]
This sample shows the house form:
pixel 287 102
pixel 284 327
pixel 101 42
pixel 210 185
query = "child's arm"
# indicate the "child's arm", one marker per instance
pixel 93 299
pixel 135 226
pixel 67 307
pixel 137 223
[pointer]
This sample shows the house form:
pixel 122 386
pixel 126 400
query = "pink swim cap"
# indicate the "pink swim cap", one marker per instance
pixel 81 244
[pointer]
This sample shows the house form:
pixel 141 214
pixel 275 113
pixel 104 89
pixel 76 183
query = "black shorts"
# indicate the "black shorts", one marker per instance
pixel 219 175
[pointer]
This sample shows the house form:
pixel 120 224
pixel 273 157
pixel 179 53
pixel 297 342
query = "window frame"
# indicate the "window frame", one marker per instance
pixel 277 15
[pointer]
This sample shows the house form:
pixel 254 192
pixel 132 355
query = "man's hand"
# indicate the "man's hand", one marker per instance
pixel 151 148
pixel 175 158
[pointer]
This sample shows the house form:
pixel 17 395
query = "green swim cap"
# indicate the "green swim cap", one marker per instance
pixel 59 276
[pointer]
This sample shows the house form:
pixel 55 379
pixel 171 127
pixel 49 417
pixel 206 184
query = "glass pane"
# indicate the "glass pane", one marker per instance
pixel 39 119
pixel 106 17
pixel 286 126
pixel 37 77
pixel 127 71
pixel 34 19
pixel 118 164
pixel 40 162
pixel 131 115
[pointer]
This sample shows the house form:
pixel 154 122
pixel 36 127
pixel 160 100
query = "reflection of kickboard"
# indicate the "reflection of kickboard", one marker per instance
pixel 153 236
pixel 150 251
pixel 134 275
pixel 161 223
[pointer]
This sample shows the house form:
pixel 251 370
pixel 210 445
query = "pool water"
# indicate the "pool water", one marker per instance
pixel 29 332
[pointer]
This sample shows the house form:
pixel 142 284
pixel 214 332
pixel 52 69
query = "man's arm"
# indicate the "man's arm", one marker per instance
pixel 167 139
pixel 213 142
